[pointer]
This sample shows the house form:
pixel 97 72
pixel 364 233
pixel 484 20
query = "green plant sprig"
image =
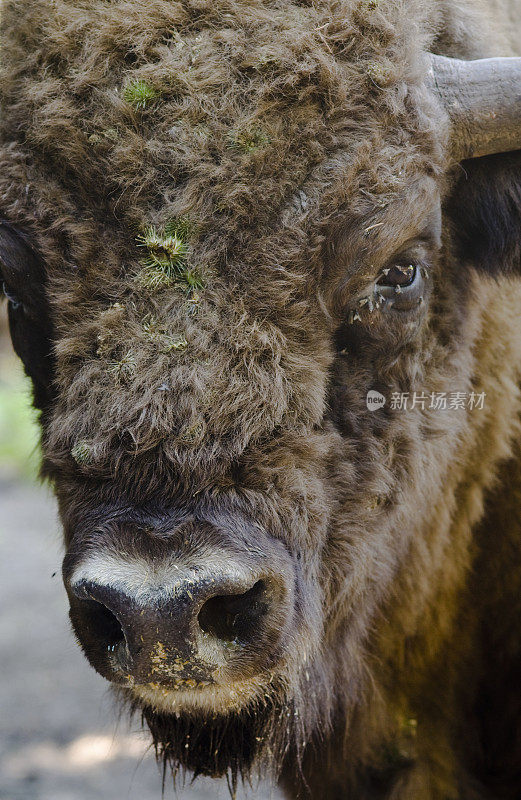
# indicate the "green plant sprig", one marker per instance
pixel 139 94
pixel 166 260
pixel 82 453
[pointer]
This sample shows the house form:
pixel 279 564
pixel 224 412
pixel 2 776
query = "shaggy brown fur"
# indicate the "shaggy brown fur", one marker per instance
pixel 296 146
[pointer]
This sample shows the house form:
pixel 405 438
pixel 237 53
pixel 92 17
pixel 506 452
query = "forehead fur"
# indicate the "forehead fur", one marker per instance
pixel 258 128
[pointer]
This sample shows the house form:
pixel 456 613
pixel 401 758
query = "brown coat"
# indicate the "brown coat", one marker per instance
pixel 295 150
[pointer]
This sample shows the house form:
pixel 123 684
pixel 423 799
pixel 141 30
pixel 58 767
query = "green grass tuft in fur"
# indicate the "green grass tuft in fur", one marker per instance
pixel 140 94
pixel 124 368
pixel 82 453
pixel 247 140
pixel 166 342
pixel 166 261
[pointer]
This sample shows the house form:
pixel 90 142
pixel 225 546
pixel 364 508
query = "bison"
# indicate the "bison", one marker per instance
pixel 262 260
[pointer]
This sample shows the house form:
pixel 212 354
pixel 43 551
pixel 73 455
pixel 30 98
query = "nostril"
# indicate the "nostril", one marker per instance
pixel 104 623
pixel 97 617
pixel 235 617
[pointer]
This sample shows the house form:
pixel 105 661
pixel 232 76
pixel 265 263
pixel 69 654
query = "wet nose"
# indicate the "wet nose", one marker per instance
pixel 177 633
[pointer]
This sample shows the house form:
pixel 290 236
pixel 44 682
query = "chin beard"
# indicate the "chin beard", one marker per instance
pixel 234 745
pixel 238 744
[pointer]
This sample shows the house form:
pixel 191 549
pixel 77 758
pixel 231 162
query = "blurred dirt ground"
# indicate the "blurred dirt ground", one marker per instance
pixel 60 738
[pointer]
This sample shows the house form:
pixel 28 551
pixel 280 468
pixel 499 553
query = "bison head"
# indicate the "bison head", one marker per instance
pixel 227 228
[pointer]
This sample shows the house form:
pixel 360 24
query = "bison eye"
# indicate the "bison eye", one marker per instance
pixel 398 275
pixel 402 286
pixel 12 298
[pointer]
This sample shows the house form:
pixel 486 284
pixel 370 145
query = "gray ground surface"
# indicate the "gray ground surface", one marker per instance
pixel 59 735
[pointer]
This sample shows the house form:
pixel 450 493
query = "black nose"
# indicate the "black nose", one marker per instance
pixel 179 632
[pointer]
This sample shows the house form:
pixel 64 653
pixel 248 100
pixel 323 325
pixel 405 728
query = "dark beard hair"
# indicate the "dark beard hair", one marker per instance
pixel 235 745
pixel 217 745
pixel 247 743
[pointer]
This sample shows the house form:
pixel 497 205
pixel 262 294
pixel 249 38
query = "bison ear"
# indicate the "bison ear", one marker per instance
pixel 22 280
pixel 484 208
